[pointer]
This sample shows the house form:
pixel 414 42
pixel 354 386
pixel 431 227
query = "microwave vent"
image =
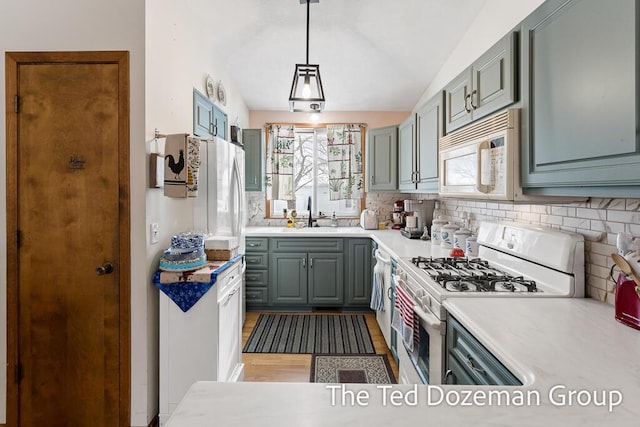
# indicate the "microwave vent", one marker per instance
pixel 507 119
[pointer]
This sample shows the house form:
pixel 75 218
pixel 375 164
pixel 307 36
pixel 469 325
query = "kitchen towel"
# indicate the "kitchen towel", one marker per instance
pixel 193 165
pixel 404 321
pixel 377 291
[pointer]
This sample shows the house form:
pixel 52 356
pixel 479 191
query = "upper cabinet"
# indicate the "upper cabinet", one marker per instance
pixel 486 86
pixel 382 159
pixel 580 91
pixel 208 120
pixel 418 147
pixel 253 155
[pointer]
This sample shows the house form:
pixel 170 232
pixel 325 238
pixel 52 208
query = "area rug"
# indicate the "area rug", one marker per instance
pixel 310 333
pixel 352 369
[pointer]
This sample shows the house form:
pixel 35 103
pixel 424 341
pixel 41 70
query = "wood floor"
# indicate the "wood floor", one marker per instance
pixel 296 367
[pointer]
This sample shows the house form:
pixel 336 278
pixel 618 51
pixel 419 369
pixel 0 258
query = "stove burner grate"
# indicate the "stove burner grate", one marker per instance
pixel 472 275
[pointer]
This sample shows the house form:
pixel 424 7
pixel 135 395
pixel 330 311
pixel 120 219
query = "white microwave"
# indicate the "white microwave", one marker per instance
pixel 482 160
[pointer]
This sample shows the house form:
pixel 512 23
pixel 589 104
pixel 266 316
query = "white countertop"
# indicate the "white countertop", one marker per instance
pixel 556 346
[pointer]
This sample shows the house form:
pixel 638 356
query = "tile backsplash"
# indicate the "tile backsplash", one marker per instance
pixel 597 219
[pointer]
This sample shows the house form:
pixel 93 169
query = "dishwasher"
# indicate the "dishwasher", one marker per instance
pixel 382 286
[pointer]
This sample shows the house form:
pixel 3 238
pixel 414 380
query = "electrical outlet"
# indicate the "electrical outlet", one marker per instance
pixel 155 233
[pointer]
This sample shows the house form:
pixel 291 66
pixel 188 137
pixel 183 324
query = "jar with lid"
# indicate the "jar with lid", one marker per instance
pixel 436 226
pixel 446 235
pixel 460 238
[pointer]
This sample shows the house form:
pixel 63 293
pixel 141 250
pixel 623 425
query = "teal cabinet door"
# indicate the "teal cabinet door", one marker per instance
pixel 407 154
pixel 382 164
pixel 429 130
pixel 326 279
pixel 458 92
pixel 359 272
pixel 220 124
pixel 494 78
pixel 580 89
pixel 288 278
pixel 486 86
pixel 202 115
pixel 253 154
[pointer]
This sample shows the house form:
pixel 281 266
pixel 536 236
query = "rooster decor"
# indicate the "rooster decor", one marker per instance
pixel 178 167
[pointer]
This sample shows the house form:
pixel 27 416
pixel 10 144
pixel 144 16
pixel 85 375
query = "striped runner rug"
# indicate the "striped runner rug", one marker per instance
pixel 310 333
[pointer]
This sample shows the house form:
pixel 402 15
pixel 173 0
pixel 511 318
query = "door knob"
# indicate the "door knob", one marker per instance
pixel 106 268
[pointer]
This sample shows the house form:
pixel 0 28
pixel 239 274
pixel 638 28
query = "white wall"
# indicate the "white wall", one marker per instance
pixel 32 25
pixel 494 21
pixel 179 55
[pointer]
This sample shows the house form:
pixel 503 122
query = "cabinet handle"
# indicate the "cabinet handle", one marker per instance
pixel 252 261
pixel 311 263
pixel 466 103
pixel 304 263
pixel 390 294
pixel 447 375
pixel 231 294
pixel 473 366
pixel 373 181
pixel 253 245
pixel 474 93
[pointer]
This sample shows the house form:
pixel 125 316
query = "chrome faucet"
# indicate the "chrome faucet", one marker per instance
pixel 309 208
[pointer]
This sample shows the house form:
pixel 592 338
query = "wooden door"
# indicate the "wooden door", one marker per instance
pixel 458 108
pixel 407 154
pixel 67 198
pixel 288 278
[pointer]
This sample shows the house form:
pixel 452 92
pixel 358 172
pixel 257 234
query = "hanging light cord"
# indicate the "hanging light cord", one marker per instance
pixel 307 32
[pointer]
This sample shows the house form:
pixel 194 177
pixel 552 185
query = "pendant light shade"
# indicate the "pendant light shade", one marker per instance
pixel 307 94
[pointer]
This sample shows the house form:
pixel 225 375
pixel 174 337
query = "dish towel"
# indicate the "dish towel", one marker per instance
pixel 377 291
pixel 403 317
pixel 193 165
pixel 175 165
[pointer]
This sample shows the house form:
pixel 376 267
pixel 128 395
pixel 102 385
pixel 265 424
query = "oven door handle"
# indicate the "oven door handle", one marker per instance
pixel 428 318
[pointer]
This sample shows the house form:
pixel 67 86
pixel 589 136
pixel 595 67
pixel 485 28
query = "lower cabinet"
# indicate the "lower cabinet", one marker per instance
pixel 470 363
pixel 302 273
pixel 358 274
pixel 307 278
pixel 203 343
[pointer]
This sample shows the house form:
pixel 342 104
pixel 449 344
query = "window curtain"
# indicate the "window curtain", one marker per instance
pixel 279 164
pixel 344 154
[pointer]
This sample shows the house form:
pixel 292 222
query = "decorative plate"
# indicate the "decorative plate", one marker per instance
pixel 211 88
pixel 221 93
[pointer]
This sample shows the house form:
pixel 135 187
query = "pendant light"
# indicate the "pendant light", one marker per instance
pixel 307 94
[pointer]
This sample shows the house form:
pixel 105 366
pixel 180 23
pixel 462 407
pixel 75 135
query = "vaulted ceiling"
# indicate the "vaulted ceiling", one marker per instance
pixel 374 55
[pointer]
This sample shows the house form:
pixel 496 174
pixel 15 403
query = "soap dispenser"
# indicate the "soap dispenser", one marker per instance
pixel 334 220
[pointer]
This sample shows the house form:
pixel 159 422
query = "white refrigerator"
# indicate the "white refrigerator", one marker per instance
pixel 220 207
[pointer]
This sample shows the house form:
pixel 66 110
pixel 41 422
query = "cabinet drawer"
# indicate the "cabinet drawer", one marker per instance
pixel 478 363
pixel 256 295
pixel 313 244
pixel 257 260
pixel 257 244
pixel 256 277
pixel 228 277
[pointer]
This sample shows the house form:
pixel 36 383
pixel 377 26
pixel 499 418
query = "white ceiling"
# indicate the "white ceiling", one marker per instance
pixel 374 55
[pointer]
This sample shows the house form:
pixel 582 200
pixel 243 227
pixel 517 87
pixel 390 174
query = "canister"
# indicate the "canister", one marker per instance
pixel 471 247
pixel 436 226
pixel 446 235
pixel 460 238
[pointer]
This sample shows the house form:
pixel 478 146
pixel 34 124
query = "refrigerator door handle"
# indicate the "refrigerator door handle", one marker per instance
pixel 236 194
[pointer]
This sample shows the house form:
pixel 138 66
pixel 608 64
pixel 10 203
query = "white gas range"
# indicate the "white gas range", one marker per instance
pixel 515 261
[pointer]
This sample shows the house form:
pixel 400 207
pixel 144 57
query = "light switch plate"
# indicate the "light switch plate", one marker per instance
pixel 155 233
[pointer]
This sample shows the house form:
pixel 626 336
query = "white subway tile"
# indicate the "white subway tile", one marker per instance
pixel 591 213
pixel 594 236
pixel 551 219
pixel 624 216
pixel 541 209
pixel 633 205
pixel 511 214
pixel 506 206
pixel 603 248
pixel 522 208
pixel 576 222
pixel 531 217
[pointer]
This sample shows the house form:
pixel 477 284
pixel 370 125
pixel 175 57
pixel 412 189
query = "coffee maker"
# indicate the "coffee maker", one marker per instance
pixel 398 215
pixel 419 215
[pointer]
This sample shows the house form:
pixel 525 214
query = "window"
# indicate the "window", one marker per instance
pixel 311 179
